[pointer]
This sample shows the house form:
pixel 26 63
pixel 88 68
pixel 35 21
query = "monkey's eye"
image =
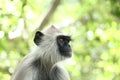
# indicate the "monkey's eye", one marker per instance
pixel 61 40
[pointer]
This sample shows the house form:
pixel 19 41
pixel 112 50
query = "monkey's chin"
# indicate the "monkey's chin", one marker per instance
pixel 67 54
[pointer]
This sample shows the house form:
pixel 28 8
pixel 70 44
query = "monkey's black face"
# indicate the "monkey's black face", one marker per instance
pixel 63 45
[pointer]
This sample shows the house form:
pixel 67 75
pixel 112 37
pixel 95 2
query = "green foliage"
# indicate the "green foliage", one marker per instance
pixel 116 7
pixel 95 32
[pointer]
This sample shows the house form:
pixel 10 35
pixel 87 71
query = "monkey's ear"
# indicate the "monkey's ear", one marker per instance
pixel 38 37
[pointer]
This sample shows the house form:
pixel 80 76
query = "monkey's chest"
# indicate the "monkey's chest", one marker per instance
pixel 40 75
pixel 41 72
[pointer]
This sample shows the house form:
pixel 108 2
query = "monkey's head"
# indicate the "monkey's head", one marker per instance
pixel 52 45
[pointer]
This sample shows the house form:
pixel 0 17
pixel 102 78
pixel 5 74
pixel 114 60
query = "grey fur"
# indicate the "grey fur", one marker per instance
pixel 41 64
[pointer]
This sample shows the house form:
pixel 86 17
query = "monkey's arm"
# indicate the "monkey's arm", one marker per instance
pixel 58 73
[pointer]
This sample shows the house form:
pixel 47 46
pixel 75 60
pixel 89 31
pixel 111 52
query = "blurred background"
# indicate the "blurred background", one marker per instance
pixel 93 24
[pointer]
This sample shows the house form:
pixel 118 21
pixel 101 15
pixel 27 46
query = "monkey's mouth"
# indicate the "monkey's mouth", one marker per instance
pixel 66 51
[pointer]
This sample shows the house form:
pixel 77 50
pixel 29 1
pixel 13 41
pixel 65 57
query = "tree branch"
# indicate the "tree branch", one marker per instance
pixel 48 14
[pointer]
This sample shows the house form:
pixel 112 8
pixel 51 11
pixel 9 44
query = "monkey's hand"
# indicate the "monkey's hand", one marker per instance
pixel 58 73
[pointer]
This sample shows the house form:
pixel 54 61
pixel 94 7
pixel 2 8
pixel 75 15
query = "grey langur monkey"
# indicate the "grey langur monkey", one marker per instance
pixel 41 64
